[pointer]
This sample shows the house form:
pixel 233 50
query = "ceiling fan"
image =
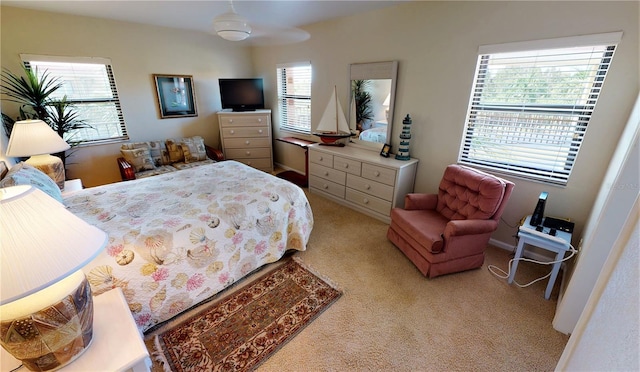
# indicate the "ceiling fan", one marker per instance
pixel 234 27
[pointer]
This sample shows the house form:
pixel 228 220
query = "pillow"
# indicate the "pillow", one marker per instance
pixel 25 174
pixel 159 153
pixel 193 149
pixel 174 149
pixel 140 159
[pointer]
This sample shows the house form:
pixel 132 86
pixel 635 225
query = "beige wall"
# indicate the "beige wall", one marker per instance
pixel 436 45
pixel 434 42
pixel 136 52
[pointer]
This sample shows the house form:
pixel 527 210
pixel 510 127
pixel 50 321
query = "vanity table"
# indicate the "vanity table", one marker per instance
pixel 360 178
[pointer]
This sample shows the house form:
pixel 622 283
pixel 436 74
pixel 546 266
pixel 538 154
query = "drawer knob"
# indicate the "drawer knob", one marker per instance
pixel 247 142
pixel 367 186
pixel 321 158
pixel 232 131
pixel 325 186
pixel 326 173
pixel 365 200
pixel 260 131
pixel 230 120
pixel 377 173
pixel 259 120
pixel 248 152
pixel 346 166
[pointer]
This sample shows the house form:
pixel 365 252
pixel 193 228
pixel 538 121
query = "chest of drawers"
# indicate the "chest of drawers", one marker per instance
pixel 360 179
pixel 246 137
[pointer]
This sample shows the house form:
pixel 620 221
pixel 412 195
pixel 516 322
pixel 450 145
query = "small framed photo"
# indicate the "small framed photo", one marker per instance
pixel 385 150
pixel 176 96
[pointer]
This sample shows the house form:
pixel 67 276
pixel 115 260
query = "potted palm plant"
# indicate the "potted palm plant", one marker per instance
pixel 34 95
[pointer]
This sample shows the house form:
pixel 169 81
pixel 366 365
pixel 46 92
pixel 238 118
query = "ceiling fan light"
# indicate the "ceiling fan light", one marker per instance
pixel 231 26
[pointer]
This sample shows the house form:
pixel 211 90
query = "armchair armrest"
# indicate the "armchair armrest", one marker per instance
pixel 126 170
pixel 420 201
pixel 469 227
pixel 214 154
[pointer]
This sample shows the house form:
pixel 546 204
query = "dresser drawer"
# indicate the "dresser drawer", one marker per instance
pixel 241 120
pixel 327 173
pixel 347 165
pixel 245 132
pixel 326 186
pixel 370 202
pixel 262 164
pixel 370 187
pixel 246 142
pixel 252 152
pixel 321 158
pixel 384 175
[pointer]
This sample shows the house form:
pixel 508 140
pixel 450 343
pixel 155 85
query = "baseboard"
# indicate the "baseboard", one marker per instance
pixel 527 253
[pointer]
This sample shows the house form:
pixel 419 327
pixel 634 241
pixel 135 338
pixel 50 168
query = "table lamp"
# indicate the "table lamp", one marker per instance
pixel 36 139
pixel 46 308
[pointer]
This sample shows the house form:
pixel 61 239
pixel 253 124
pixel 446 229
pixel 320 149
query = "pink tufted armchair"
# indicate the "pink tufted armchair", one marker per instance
pixel 448 232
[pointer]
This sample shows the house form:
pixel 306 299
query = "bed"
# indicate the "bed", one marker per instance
pixel 179 238
pixel 376 134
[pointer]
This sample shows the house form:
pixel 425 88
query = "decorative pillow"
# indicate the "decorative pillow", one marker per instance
pixel 159 153
pixel 140 158
pixel 25 174
pixel 175 150
pixel 193 149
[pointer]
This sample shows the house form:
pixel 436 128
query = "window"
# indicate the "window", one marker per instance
pixel 88 83
pixel 294 97
pixel 531 103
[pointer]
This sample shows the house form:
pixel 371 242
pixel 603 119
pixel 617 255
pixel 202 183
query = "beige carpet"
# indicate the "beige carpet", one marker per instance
pixel 392 318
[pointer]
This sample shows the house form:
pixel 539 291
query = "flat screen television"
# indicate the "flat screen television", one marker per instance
pixel 242 94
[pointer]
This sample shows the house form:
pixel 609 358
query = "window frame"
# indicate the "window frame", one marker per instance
pixel 284 121
pixel 559 116
pixel 30 59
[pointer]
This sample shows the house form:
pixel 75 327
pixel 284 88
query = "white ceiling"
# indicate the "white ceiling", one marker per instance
pixel 272 21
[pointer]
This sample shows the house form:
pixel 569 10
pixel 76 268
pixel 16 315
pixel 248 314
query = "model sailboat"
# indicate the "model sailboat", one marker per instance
pixel 333 126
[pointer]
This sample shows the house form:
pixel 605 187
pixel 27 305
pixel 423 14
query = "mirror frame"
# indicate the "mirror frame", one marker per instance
pixel 370 71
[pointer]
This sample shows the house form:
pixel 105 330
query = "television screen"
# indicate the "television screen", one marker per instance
pixel 242 94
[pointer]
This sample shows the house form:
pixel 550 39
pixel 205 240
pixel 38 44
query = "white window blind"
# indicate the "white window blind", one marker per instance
pixel 89 84
pixel 529 109
pixel 294 97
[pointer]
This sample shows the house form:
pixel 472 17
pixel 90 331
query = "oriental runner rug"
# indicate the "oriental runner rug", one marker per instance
pixel 242 330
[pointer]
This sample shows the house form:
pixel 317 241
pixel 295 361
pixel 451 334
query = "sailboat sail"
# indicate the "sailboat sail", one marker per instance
pixel 333 120
pixel 352 112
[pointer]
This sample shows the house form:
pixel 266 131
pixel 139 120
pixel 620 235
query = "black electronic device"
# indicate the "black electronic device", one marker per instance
pixel 242 94
pixel 538 213
pixel 559 224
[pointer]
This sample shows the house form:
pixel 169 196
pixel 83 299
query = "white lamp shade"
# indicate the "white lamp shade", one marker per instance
pixel 231 26
pixel 34 137
pixel 41 242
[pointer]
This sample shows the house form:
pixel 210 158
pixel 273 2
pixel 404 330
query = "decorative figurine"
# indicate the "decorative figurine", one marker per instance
pixel 405 138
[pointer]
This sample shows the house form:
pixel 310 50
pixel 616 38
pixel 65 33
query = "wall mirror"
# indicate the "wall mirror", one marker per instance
pixel 373 90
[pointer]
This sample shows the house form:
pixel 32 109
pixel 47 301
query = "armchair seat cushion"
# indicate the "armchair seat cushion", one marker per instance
pixel 425 226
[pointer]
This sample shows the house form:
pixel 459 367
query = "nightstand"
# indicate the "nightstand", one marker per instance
pixel 117 343
pixel 72 186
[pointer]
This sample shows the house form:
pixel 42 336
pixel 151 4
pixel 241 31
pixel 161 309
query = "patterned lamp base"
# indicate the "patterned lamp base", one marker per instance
pixel 54 336
pixel 51 165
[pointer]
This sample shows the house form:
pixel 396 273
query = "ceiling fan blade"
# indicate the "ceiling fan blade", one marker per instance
pixel 263 34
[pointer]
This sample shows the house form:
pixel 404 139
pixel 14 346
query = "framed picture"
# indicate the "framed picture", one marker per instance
pixel 385 150
pixel 176 96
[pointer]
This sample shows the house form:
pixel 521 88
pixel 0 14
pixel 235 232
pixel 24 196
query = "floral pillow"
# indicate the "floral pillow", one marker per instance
pixel 139 158
pixel 193 149
pixel 25 174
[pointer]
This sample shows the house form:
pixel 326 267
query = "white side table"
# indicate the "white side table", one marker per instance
pixel 72 186
pixel 117 343
pixel 560 244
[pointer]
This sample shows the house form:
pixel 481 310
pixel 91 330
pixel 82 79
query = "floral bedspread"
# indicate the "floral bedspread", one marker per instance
pixel 179 238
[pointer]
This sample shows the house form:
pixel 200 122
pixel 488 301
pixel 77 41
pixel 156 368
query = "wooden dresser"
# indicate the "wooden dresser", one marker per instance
pixel 246 137
pixel 360 178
